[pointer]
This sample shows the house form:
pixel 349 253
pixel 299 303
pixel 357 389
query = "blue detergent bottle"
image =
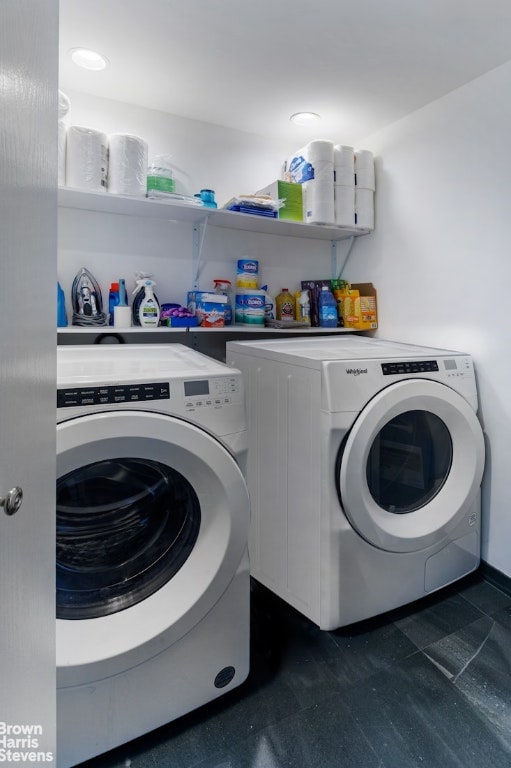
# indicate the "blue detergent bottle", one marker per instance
pixel 327 308
pixel 113 300
pixel 61 307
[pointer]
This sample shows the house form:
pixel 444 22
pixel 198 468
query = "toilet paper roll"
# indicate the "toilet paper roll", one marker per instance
pixel 363 159
pixel 122 317
pixel 344 175
pixel 364 208
pixel 319 202
pixel 344 156
pixel 127 164
pixel 62 153
pixel 320 151
pixel 320 154
pixel 344 205
pixel 86 158
pixel 314 161
pixel 364 177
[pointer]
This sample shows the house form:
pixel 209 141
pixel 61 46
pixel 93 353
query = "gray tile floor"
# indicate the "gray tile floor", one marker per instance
pixel 425 686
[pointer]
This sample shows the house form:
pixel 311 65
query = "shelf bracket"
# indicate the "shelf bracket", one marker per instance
pixel 196 255
pixel 335 271
pixel 199 233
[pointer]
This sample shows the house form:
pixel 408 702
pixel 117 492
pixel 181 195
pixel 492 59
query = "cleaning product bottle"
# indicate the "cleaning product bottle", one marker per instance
pixel 149 308
pixel 138 295
pixel 223 287
pixel 303 307
pixel 61 307
pixel 327 306
pixel 113 299
pixel 285 305
pixel 340 289
pixel 269 305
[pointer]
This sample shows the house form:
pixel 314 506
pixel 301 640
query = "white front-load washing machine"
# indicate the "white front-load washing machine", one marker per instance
pixel 365 461
pixel 152 527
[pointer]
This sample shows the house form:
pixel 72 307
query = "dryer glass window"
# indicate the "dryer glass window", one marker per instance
pixel 124 528
pixel 409 461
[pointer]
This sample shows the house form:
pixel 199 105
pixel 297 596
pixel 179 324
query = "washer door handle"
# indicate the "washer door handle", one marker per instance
pixel 12 502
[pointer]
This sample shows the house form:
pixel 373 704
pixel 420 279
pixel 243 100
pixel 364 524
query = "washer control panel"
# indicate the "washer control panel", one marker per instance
pixel 120 393
pixel 188 393
pixel 217 392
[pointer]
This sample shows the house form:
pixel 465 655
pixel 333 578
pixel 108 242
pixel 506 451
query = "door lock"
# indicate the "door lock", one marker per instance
pixel 12 502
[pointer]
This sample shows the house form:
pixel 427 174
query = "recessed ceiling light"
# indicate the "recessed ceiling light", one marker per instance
pixel 304 118
pixel 88 59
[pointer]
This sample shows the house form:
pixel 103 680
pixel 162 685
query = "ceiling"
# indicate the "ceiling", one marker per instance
pixel 360 64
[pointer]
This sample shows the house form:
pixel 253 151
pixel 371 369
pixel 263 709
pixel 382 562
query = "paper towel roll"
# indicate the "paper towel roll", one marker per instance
pixel 62 153
pixel 319 202
pixel 127 164
pixel 86 158
pixel 344 205
pixel 364 208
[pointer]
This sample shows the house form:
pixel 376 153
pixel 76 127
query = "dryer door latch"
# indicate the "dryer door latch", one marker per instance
pixel 12 502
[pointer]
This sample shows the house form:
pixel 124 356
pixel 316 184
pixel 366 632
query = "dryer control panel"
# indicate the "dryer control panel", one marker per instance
pixel 409 366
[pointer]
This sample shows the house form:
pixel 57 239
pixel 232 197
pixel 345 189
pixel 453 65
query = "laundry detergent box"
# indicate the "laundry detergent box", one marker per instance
pixel 209 308
pixel 358 307
pixel 291 193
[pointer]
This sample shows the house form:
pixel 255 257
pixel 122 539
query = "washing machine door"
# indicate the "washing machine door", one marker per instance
pixel 411 466
pixel 152 525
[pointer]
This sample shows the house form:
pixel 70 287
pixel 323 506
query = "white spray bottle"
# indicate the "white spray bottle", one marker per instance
pixel 149 309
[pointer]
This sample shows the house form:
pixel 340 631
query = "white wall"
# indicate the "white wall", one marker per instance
pixel 230 162
pixel 440 257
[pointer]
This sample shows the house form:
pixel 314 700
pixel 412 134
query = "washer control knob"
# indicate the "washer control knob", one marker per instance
pixel 12 502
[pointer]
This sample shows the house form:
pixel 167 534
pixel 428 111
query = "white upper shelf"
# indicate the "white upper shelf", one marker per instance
pixel 176 211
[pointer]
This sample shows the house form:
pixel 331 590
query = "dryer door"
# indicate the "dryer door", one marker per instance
pixel 152 525
pixel 411 466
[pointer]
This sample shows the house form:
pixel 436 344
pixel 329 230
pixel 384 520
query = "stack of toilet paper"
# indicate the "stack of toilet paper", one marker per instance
pixel 364 189
pixel 313 167
pixel 338 183
pixel 344 185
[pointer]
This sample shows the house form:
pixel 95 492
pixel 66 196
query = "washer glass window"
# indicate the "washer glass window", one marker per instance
pixel 409 461
pixel 125 526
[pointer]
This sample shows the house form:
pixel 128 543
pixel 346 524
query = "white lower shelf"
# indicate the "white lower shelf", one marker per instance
pixel 241 329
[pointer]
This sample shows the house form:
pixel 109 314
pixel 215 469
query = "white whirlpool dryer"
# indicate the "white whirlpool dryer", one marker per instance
pixel 364 467
pixel 152 527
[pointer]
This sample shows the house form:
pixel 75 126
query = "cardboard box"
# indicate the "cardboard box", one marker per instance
pixel 362 311
pixel 292 193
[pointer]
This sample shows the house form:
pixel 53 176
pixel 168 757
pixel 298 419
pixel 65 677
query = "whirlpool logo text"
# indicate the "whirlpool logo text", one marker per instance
pixel 355 371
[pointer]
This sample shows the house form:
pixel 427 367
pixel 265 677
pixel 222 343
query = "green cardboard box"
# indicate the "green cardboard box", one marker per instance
pixel 292 209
